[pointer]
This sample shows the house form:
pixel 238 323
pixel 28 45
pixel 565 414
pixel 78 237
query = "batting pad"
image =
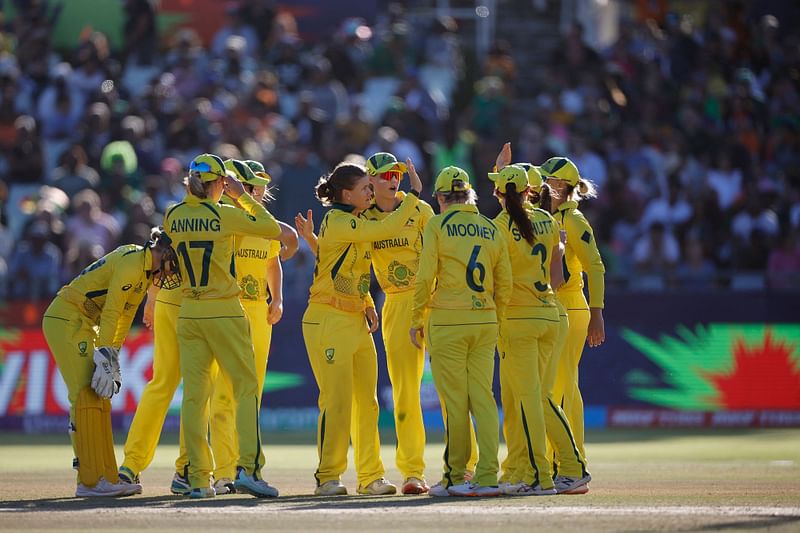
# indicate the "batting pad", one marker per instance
pixel 93 439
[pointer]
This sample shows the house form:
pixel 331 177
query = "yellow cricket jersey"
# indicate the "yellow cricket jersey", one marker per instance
pixel 202 234
pixel 395 260
pixel 581 254
pixel 110 290
pixel 252 254
pixel 530 265
pixel 341 274
pixel 464 265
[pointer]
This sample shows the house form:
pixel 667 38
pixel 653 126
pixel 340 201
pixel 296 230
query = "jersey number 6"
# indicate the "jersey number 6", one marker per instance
pixel 208 248
pixel 475 282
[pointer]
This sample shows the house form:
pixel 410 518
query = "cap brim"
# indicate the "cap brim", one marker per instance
pixel 262 179
pixel 494 176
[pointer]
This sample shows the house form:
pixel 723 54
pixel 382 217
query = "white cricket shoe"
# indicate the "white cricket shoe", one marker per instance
pixel 252 485
pixel 333 487
pixel 202 492
pixel 438 491
pixel 127 477
pixel 571 485
pixel 379 487
pixel 104 489
pixel 415 485
pixel 474 489
pixel 224 486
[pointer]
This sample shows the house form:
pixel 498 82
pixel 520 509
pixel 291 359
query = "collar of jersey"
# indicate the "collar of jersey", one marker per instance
pixel 191 199
pixel 569 204
pixel 467 208
pixel 400 195
pixel 347 208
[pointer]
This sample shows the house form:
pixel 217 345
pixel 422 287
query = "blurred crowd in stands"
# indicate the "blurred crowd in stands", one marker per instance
pixel 690 129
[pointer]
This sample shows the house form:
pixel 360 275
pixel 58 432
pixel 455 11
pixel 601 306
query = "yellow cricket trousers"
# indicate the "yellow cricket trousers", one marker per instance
pixel 224 439
pixel 406 364
pixel 345 364
pixel 147 423
pixel 525 352
pixel 71 336
pixel 461 346
pixel 565 388
pixel 209 331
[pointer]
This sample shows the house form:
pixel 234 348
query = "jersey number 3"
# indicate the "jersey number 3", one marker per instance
pixel 208 248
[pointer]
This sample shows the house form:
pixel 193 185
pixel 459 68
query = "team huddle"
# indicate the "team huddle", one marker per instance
pixel 458 286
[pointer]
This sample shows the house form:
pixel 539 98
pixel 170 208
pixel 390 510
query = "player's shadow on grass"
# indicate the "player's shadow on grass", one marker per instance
pixel 69 503
pixel 758 523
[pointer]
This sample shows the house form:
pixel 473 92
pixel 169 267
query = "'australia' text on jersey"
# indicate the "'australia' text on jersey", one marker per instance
pixel 390 243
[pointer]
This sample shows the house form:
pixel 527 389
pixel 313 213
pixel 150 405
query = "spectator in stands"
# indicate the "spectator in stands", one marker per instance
pixel 89 224
pixel 236 26
pixel 25 158
pixel 74 174
pixel 696 270
pixel 783 269
pixel 657 251
pixel 140 32
pixel 35 266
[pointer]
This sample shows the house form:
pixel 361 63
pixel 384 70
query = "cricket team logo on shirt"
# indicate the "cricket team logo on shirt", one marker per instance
pixel 249 287
pixel 82 348
pixel 399 274
pixel 329 353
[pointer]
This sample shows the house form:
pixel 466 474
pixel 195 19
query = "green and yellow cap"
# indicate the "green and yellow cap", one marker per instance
pixel 384 162
pixel 260 172
pixel 561 168
pixel 535 180
pixel 452 179
pixel 511 174
pixel 209 167
pixel 242 172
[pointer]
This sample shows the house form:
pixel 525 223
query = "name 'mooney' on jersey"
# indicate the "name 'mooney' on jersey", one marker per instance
pixel 463 251
pixel 396 260
pixel 202 234
pixel 530 263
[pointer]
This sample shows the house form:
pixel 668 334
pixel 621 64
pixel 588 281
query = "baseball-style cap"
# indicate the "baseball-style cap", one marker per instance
pixel 243 172
pixel 260 172
pixel 511 174
pixel 449 178
pixel 209 167
pixel 384 162
pixel 534 175
pixel 561 168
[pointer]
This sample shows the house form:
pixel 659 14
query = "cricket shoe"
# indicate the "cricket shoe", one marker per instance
pixel 379 487
pixel 535 490
pixel 333 487
pixel 127 477
pixel 224 486
pixel 202 492
pixel 415 485
pixel 180 485
pixel 104 489
pixel 474 489
pixel 253 486
pixel 571 485
pixel 438 491
pixel 511 489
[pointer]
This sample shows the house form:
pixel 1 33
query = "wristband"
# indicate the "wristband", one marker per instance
pixel 415 193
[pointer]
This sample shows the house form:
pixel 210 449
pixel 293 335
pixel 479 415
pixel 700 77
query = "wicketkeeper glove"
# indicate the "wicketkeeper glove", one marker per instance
pixel 107 378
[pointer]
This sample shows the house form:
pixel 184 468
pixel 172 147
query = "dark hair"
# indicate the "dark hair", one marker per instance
pixel 344 176
pixel 517 213
pixel 544 198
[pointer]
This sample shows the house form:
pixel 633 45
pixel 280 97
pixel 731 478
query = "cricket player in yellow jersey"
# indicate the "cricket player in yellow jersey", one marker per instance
pixel 463 289
pixel 526 349
pixel 581 255
pixel 395 261
pixel 337 336
pixel 212 326
pixel 85 327
pixel 260 279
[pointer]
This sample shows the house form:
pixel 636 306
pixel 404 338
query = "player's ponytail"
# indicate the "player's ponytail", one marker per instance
pixel 196 186
pixel 344 176
pixel 544 198
pixel 586 189
pixel 517 213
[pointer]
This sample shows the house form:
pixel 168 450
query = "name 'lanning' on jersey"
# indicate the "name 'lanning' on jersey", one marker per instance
pixel 396 260
pixel 203 233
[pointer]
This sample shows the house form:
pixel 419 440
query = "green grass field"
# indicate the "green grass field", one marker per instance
pixel 643 481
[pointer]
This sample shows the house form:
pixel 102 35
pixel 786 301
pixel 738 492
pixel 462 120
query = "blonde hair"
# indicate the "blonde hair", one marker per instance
pixel 196 186
pixel 584 190
pixel 469 197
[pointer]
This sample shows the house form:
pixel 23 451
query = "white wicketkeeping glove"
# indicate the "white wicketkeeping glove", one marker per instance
pixel 107 378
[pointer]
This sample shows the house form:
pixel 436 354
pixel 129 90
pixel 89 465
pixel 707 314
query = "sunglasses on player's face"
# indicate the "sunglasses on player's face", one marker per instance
pixel 388 176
